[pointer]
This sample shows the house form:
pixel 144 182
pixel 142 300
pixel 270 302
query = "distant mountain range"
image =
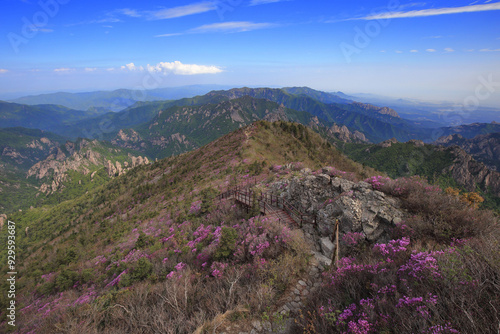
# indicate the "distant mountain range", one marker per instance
pixel 159 129
pixel 375 123
pixel 43 116
pixel 115 100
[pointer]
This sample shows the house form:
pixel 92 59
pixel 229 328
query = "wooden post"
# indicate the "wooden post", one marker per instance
pixel 337 243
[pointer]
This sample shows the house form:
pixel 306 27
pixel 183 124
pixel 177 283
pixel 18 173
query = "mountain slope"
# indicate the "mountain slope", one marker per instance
pixel 45 116
pixel 116 100
pixel 106 126
pixel 134 212
pixel 154 250
pixel 472 130
pixel 180 129
pixel 20 148
pixel 37 168
pixel 435 163
pixel 376 123
pixel 483 148
pixel 317 95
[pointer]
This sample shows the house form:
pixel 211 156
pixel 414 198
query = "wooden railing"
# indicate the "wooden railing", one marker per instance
pixel 267 202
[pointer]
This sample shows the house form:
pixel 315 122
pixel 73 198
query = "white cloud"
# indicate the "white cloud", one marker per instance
pixel 413 51
pixel 399 51
pixel 433 12
pixel 383 51
pixel 63 70
pixel 470 50
pixel 430 50
pixel 235 26
pixel 3 70
pixel 111 69
pixel 196 8
pixel 489 50
pixel 132 67
pixel 90 69
pixel 129 12
pixel 170 35
pixel 176 67
pixel 264 2
pixel 449 50
pixel 224 27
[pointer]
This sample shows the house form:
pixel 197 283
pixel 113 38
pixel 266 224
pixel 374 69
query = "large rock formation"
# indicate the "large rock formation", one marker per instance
pixel 83 157
pixel 470 173
pixel 356 206
pixel 483 148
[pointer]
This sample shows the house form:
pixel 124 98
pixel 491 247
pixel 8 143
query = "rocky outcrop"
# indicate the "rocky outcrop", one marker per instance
pixel 347 136
pixel 137 161
pixel 483 148
pixel 339 132
pixel 83 157
pixel 356 206
pixel 388 142
pixel 12 153
pixel 470 173
pixel 39 144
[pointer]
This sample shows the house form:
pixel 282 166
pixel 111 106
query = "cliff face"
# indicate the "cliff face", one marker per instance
pixel 483 148
pixel 83 157
pixel 469 173
pixel 347 136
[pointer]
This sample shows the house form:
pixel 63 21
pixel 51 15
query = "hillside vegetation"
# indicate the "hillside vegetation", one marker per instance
pixel 79 254
pixel 153 250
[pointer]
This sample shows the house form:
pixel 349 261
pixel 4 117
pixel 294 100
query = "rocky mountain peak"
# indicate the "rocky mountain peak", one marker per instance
pixel 388 142
pixel 343 133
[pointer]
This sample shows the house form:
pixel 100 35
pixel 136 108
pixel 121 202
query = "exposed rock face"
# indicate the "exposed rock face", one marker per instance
pixel 483 148
pixel 12 153
pixel 277 115
pixel 468 172
pixel 388 142
pixel 132 137
pixel 356 206
pixel 340 132
pixel 80 157
pixel 347 136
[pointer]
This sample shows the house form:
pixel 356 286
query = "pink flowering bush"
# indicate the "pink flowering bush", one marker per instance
pixel 353 238
pixel 195 208
pixel 394 287
pixel 378 182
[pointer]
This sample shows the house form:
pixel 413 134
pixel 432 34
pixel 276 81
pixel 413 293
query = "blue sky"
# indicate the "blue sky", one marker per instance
pixel 434 50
